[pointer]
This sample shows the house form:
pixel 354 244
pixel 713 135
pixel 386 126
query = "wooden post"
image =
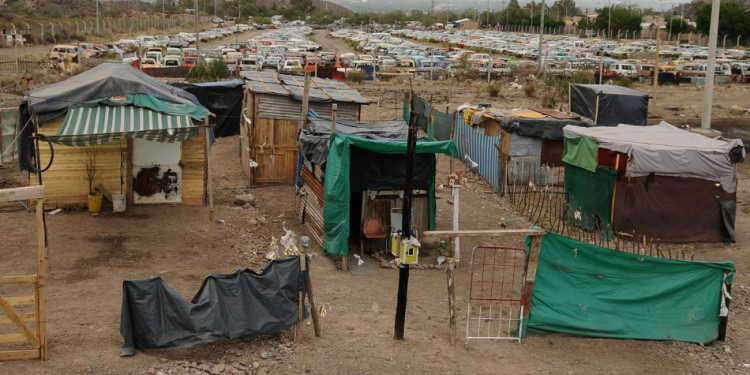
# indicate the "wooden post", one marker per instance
pixel 614 192
pixel 305 102
pixel 311 299
pixel 504 155
pixel 300 303
pixel 528 288
pixel 209 191
pixel 41 321
pixel 378 108
pixel 452 293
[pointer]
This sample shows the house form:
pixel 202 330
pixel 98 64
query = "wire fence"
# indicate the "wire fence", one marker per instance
pixel 538 194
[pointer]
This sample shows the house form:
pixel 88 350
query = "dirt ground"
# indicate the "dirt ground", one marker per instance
pixel 90 256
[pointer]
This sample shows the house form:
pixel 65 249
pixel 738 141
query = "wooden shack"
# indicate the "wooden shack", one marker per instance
pixel 142 137
pixel 271 117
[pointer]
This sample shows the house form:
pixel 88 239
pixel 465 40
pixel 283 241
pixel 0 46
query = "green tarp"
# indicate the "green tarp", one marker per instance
pixel 587 290
pixel 581 152
pixel 336 185
pixel 589 196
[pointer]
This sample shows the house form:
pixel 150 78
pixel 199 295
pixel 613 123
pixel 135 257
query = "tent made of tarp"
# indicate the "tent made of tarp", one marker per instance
pixel 336 184
pixel 668 184
pixel 586 290
pixel 609 105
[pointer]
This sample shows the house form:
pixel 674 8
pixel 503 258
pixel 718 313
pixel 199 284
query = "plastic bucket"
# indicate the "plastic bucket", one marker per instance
pixel 95 203
pixel 118 202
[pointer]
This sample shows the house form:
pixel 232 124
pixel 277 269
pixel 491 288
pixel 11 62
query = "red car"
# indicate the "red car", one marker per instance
pixel 189 62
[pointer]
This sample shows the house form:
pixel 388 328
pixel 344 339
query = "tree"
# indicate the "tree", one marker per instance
pixel 734 19
pixel 678 26
pixel 622 19
pixel 567 7
pixel 513 4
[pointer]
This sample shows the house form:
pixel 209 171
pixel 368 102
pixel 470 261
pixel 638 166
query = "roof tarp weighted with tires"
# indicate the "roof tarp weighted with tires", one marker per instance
pixel 586 290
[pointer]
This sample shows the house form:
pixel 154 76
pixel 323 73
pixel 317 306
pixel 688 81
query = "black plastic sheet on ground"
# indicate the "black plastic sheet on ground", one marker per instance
pixel 227 306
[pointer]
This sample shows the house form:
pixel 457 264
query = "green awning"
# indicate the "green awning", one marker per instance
pixel 88 126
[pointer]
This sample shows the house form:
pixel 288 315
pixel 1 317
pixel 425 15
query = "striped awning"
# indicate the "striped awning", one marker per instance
pixel 88 126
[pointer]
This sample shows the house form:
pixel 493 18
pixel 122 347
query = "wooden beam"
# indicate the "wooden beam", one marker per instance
pixel 14 355
pixel 483 233
pixel 16 301
pixel 39 296
pixel 313 307
pixel 13 315
pixel 21 193
pixel 30 317
pixel 25 279
pixel 528 288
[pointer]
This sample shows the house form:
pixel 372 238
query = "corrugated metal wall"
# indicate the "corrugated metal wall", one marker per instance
pixel 278 107
pixel 8 119
pixel 344 111
pixel 479 148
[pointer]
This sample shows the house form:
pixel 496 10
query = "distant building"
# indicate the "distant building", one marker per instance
pixel 466 24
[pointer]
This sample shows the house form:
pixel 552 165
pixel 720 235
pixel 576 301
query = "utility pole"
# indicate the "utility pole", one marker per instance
pixel 609 20
pixel 403 271
pixel 708 88
pixel 541 39
pixel 197 35
pixel 97 17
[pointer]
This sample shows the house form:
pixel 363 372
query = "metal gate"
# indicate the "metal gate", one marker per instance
pixel 496 293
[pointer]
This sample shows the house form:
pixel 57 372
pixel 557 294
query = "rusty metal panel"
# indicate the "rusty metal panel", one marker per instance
pixel 278 107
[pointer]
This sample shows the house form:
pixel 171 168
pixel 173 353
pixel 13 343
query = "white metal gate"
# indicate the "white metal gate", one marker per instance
pixel 496 293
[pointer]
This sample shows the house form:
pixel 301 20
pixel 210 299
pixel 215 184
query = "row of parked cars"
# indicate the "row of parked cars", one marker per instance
pixel 498 52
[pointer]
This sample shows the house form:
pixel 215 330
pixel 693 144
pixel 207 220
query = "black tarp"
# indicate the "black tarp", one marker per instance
pixel 609 105
pixel 547 128
pixel 224 99
pixel 369 170
pixel 227 306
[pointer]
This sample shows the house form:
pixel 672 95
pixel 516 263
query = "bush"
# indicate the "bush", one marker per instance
pixel 356 75
pixel 208 72
pixel 529 88
pixel 624 82
pixel 493 89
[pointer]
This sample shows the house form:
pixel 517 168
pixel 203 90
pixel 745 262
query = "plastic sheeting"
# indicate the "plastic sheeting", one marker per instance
pixel 227 306
pixel 547 128
pixel 336 185
pixel 586 290
pixel 103 81
pixel 589 195
pixel 223 99
pixel 666 150
pixel 609 105
pixel 674 209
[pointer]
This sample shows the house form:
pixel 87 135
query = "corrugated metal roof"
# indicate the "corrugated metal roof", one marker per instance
pixel 321 90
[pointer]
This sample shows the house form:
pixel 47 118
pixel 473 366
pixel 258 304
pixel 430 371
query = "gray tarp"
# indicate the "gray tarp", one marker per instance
pixel 666 150
pixel 227 306
pixel 103 81
pixel 313 141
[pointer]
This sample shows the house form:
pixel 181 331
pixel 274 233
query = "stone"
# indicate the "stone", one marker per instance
pixel 241 200
pixel 256 365
pixel 218 369
pixel 261 372
pixel 264 354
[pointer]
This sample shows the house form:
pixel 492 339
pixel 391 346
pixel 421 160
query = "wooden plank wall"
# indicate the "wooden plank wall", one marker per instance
pixel 194 169
pixel 66 181
pixel 275 151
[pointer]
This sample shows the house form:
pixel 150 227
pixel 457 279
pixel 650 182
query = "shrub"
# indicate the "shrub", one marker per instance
pixel 208 72
pixel 529 88
pixel 624 82
pixel 355 75
pixel 493 89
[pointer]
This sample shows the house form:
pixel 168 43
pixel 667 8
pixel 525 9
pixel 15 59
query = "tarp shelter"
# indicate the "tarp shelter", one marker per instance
pixel 609 105
pixel 361 152
pixel 271 117
pixel 223 99
pixel 138 129
pixel 668 184
pixel 586 290
pixel 227 306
